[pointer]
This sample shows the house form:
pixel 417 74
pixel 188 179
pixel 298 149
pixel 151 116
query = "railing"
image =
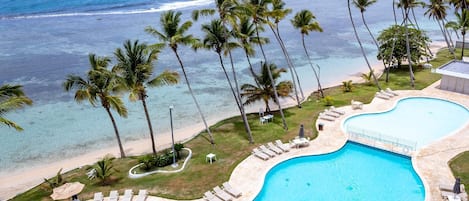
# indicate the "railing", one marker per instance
pixel 381 141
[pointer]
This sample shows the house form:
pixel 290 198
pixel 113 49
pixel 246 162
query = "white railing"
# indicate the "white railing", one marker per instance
pixel 381 141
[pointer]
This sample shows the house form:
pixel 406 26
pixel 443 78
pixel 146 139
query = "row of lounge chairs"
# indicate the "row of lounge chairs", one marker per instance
pixel 447 192
pixel 331 114
pixel 271 150
pixel 226 193
pixel 128 194
pixel 386 94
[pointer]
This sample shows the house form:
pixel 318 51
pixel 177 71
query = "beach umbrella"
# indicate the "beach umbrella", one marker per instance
pixel 302 132
pixel 67 190
pixel 457 186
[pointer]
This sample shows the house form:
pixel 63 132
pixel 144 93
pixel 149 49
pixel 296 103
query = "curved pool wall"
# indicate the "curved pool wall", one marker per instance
pixel 354 172
pixel 418 119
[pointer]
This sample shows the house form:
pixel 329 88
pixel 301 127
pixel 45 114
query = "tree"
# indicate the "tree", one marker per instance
pixel 362 5
pixel 265 90
pixel 173 35
pixel 461 24
pixel 135 65
pixel 396 35
pixel 12 98
pixel 305 21
pixel 104 169
pixel 99 85
pixel 361 46
pixel 437 11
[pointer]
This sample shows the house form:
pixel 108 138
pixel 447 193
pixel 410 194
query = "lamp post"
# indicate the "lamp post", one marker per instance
pixel 172 135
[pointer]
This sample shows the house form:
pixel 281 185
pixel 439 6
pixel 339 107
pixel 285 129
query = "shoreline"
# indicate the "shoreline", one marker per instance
pixel 21 180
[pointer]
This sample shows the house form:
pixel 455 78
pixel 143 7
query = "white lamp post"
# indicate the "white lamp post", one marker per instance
pixel 172 135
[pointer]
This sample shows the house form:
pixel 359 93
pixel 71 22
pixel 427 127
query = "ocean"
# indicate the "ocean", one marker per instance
pixel 42 41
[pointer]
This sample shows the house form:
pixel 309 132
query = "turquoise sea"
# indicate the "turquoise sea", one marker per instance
pixel 42 41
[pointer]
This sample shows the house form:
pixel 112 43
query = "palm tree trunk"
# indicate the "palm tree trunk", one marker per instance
pixel 121 148
pixel 369 31
pixel 361 46
pixel 238 96
pixel 409 57
pixel 193 97
pixel 311 64
pixel 417 24
pixel 144 103
pixel 463 43
pixel 251 69
pixel 446 38
pixel 289 66
pixel 272 81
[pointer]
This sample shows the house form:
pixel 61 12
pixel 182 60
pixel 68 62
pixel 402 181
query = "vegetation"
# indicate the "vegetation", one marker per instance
pixel 12 98
pixel 55 181
pixel 460 167
pixel 347 86
pixel 104 170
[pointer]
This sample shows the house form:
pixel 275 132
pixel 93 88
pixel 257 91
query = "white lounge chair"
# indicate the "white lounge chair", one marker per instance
pixel 113 196
pixel 382 96
pixel 260 154
pixel 356 104
pixel 222 194
pixel 391 92
pixel 333 109
pixel 330 113
pixel 282 146
pixel 98 196
pixel 326 117
pixel 267 151
pixel 128 195
pixel 211 197
pixel 232 191
pixel 274 148
pixel 390 95
pixel 91 174
pixel 142 195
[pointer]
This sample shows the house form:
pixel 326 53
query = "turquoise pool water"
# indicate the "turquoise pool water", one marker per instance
pixel 418 119
pixel 355 172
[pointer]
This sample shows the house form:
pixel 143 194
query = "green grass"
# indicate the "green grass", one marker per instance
pixel 460 167
pixel 232 145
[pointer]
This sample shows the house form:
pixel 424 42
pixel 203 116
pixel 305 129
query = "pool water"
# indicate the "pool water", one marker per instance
pixel 417 119
pixel 353 173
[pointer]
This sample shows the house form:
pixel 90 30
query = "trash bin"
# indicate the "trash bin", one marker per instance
pixel 321 127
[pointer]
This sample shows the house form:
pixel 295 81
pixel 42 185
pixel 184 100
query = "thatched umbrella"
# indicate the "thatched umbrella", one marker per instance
pixel 67 190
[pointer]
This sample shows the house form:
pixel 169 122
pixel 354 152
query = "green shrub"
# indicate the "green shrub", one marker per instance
pixel 149 161
pixel 178 147
pixel 55 181
pixel 328 101
pixel 347 86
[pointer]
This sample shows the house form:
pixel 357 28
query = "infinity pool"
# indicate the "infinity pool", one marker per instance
pixel 355 172
pixel 418 119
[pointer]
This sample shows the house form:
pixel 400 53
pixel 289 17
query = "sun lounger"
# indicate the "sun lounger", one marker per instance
pixel 230 190
pixel 128 195
pixel 274 148
pixel 326 117
pixel 98 196
pixel 260 154
pixel 211 197
pixel 283 147
pixel 142 195
pixel 222 194
pixel 113 196
pixel 382 96
pixel 333 109
pixel 267 151
pixel 390 95
pixel 356 104
pixel 391 92
pixel 330 113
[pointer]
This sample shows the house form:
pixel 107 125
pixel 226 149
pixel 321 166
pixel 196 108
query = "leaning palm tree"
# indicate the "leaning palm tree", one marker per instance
pixel 265 91
pixel 12 98
pixel 99 85
pixel 361 46
pixel 173 35
pixel 461 24
pixel 362 5
pixel 305 21
pixel 437 11
pixel 135 65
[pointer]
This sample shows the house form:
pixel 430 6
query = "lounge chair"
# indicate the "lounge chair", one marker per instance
pixel 222 194
pixel 391 92
pixel 282 146
pixel 91 174
pixel 98 196
pixel 326 117
pixel 356 104
pixel 113 196
pixel 330 113
pixel 390 95
pixel 274 148
pixel 128 195
pixel 267 151
pixel 142 195
pixel 260 154
pixel 230 190
pixel 333 109
pixel 211 197
pixel 382 96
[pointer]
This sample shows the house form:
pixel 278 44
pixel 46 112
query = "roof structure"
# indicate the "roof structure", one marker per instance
pixel 455 68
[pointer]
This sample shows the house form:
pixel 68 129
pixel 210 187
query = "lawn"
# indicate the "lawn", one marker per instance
pixel 232 146
pixel 460 167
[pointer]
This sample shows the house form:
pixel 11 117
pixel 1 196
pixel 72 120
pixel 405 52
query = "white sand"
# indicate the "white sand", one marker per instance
pixel 13 183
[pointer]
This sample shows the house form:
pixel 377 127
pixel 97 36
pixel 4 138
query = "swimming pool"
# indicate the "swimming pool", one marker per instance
pixel 355 172
pixel 418 119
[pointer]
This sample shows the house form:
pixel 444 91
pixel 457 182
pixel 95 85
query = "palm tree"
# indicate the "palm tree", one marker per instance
pixel 437 11
pixel 461 24
pixel 12 98
pixel 135 65
pixel 305 21
pixel 216 39
pixel 405 6
pixel 362 5
pixel 361 46
pixel 265 91
pixel 99 85
pixel 173 35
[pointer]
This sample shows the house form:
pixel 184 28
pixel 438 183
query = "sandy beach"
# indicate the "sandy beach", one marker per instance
pixel 13 183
